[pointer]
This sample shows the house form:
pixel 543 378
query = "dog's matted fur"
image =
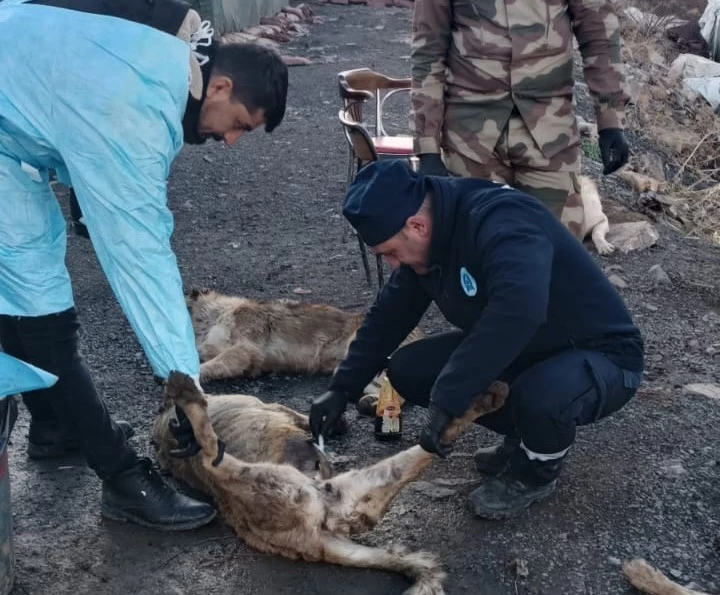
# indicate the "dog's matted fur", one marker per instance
pixel 276 508
pixel 239 337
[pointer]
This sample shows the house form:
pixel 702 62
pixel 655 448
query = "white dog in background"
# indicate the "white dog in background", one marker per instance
pixel 594 221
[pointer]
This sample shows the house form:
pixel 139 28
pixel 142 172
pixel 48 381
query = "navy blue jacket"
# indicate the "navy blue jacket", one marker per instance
pixel 509 274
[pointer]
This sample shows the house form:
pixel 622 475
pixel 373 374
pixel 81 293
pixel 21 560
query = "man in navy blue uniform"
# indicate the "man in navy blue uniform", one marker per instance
pixel 531 308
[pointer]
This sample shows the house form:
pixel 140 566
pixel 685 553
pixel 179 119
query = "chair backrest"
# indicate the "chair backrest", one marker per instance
pixel 363 84
pixel 357 137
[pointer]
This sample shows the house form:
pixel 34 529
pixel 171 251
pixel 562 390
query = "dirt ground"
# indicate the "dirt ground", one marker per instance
pixel 263 219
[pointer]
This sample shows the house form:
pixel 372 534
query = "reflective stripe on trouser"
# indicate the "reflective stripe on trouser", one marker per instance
pixel 518 161
pixel 34 280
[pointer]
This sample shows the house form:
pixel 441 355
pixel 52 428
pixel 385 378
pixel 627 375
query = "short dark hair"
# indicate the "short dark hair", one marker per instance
pixel 259 77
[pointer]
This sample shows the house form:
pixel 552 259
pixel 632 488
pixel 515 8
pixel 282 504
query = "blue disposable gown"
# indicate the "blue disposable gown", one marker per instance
pixel 100 100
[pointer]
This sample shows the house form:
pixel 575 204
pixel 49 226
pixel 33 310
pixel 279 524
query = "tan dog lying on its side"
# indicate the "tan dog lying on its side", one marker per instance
pixel 276 508
pixel 238 337
pixel 590 218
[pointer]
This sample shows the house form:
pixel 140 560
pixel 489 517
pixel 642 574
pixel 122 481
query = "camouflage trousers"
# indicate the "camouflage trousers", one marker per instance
pixel 518 162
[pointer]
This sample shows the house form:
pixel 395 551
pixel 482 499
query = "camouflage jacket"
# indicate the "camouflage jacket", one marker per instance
pixel 473 61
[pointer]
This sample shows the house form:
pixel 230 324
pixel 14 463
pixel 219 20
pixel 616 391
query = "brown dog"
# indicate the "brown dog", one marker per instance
pixel 276 508
pixel 255 432
pixel 238 337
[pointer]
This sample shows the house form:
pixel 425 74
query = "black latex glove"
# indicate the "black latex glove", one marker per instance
pixel 182 431
pixel 326 411
pixel 436 421
pixel 431 165
pixel 614 149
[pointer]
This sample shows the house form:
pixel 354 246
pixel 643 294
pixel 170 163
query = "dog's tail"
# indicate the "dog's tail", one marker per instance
pixel 649 580
pixel 423 568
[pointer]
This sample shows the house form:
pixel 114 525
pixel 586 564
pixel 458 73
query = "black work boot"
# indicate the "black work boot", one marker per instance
pixel 492 461
pixel 48 440
pixel 521 484
pixel 140 495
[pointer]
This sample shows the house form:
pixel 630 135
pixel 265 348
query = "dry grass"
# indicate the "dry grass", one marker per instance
pixel 683 130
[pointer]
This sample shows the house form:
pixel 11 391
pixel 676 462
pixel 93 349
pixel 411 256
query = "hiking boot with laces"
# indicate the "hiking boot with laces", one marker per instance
pixel 139 495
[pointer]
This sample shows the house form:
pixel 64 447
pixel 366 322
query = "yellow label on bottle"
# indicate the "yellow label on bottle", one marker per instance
pixel 388 397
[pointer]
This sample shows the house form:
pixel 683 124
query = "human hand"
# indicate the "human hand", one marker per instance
pixel 326 411
pixel 436 421
pixel 614 149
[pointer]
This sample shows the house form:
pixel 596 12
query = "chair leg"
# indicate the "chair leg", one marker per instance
pixel 351 167
pixel 365 260
pixel 381 279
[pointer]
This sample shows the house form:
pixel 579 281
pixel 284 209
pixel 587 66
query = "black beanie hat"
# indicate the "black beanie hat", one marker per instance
pixel 383 195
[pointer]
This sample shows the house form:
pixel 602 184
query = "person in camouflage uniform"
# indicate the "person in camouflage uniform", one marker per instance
pixel 492 90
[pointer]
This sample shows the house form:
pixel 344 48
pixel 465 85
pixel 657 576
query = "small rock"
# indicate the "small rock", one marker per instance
pixel 614 561
pixel 659 276
pixel 694 344
pixel 651 165
pixel 455 481
pixel 614 268
pixel 651 307
pixel 712 391
pixel 633 235
pixel 296 60
pixel 302 291
pixel 617 281
pixel 672 469
pixel 520 567
pixel 676 573
pixel 432 491
pixel 711 350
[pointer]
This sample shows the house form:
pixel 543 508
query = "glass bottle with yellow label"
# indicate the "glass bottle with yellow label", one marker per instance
pixel 388 413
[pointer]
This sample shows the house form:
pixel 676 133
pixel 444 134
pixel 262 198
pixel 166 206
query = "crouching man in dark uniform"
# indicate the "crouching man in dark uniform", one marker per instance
pixel 531 308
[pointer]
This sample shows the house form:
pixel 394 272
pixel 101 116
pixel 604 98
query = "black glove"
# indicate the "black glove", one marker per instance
pixel 431 165
pixel 326 411
pixel 614 149
pixel 182 431
pixel 436 421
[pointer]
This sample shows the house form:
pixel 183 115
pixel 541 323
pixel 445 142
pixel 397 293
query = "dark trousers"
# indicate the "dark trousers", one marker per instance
pixel 51 343
pixel 547 401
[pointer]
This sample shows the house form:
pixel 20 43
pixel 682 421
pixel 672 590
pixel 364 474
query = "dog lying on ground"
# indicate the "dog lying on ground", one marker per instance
pixel 238 337
pixel 256 432
pixel 276 508
pixel 594 221
pixel 649 580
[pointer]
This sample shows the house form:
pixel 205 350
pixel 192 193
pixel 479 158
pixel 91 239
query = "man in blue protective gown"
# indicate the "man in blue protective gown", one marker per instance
pixel 104 93
pixel 530 307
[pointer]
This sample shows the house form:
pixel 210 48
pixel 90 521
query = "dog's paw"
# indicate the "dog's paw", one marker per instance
pixel 196 292
pixel 604 247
